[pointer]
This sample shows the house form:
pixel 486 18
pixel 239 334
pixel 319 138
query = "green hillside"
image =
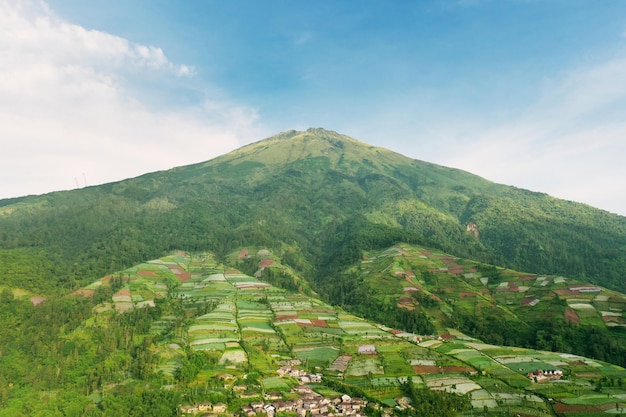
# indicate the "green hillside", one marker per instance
pixel 321 197
pixel 185 335
pixel 429 291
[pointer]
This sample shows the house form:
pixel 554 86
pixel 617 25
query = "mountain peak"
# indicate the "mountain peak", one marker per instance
pixel 317 132
pixel 293 145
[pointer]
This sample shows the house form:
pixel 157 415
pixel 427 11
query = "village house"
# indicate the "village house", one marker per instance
pixel 248 410
pixel 309 403
pixel 542 376
pixel 269 409
pixel 204 407
pixel 219 408
pixel 189 409
pixel 273 396
pixel 257 405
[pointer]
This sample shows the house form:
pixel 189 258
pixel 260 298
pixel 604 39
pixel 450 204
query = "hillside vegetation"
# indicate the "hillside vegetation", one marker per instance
pixel 185 334
pixel 320 197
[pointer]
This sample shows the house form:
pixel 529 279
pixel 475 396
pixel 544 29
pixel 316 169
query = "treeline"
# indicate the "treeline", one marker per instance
pixel 55 355
pixel 548 333
pixel 541 234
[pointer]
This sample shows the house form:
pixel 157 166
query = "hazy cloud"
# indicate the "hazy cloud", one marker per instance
pixel 570 143
pixel 68 106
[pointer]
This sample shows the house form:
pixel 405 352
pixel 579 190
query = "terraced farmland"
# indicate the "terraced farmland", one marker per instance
pixel 245 325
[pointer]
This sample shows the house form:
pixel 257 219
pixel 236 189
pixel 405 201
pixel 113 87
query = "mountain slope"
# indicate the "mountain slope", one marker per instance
pixel 186 333
pixel 317 197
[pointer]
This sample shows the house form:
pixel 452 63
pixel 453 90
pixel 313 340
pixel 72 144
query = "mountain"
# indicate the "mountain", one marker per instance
pixel 215 287
pixel 319 198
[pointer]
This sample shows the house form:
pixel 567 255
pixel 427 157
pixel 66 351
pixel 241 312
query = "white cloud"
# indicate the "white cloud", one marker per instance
pixel 68 106
pixel 569 144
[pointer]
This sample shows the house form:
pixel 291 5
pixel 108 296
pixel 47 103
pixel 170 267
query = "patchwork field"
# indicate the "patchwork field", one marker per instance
pixel 243 324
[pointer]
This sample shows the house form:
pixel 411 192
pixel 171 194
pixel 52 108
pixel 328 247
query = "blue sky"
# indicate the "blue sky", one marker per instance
pixel 522 92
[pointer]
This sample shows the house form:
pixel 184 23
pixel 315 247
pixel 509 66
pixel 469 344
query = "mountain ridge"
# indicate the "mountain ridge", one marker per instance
pixel 306 189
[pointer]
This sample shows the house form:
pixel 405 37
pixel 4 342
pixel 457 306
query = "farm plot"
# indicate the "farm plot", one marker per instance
pixel 320 356
pixel 256 327
pixel 362 329
pixel 274 384
pixel 394 364
pixel 340 364
pixel 233 356
pixel 216 327
pixel 366 366
pixel 244 282
pixel 475 359
pixel 456 385
pixel 254 317
pixel 482 398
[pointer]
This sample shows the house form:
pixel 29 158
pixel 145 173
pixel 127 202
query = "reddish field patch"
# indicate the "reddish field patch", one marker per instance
pixel 265 263
pixel 456 269
pixel 588 375
pixel 566 292
pixel 448 260
pixel 467 294
pixel 571 316
pixel 575 408
pixel 286 316
pixel 183 277
pixel 527 277
pixel 122 293
pixel 319 323
pixel 425 369
pixel 146 273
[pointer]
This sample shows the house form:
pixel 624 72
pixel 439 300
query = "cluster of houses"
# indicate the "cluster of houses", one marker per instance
pixel 204 407
pixel 308 403
pixel 542 376
pixel 302 376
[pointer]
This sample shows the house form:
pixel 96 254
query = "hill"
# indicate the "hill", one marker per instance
pixel 319 198
pixel 186 334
